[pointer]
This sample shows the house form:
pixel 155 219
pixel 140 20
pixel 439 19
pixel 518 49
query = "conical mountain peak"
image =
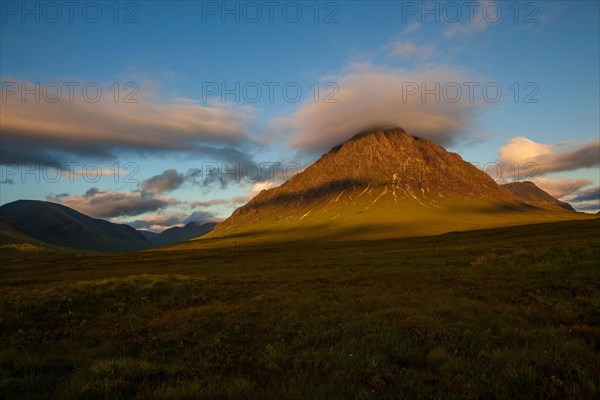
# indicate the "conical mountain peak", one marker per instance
pixel 371 134
pixel 381 177
pixel 389 156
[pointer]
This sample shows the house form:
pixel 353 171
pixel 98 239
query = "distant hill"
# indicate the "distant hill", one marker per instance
pixel 182 233
pixel 62 226
pixel 11 235
pixel 148 234
pixel 532 194
pixel 17 246
pixel 382 183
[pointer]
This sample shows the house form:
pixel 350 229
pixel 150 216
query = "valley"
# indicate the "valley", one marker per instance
pixel 505 312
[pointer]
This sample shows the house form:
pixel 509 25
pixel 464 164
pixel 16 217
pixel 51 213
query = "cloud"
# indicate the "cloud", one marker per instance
pixel 408 49
pixel 404 45
pixel 209 203
pixel 232 202
pixel 216 173
pixel 239 200
pixel 592 194
pixel 165 220
pixel 260 186
pixel 478 23
pixel 80 128
pixel 561 187
pixel 210 174
pixel 201 216
pixel 93 171
pixel 592 206
pixel 548 157
pixel 225 173
pixel 169 219
pixel 110 204
pixel 159 221
pixel 372 96
pixel 413 27
pixel 168 181
pixel 586 200
pixel 57 197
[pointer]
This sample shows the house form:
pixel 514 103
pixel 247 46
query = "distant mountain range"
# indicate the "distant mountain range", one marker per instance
pixel 387 183
pixel 42 223
pixel 179 234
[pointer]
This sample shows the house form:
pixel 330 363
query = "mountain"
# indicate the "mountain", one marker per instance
pixel 148 234
pixel 17 246
pixel 182 233
pixel 11 235
pixel 59 225
pixel 382 183
pixel 532 194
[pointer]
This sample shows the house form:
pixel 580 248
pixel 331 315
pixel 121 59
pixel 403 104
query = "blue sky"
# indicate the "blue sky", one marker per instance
pixel 173 50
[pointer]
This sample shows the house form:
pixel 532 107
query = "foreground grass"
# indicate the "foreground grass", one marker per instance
pixel 503 313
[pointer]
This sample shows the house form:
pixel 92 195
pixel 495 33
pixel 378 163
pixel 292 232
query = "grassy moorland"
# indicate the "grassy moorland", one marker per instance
pixel 500 313
pixel 387 219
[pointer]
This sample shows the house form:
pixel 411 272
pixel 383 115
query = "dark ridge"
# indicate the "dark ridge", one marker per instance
pixel 180 234
pixel 60 225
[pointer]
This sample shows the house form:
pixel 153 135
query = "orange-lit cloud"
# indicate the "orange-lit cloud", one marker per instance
pixel 82 128
pixel 561 187
pixel 548 157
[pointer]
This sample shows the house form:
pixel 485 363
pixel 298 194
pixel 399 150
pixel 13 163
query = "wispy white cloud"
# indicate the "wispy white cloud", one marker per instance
pixel 478 24
pixel 407 49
